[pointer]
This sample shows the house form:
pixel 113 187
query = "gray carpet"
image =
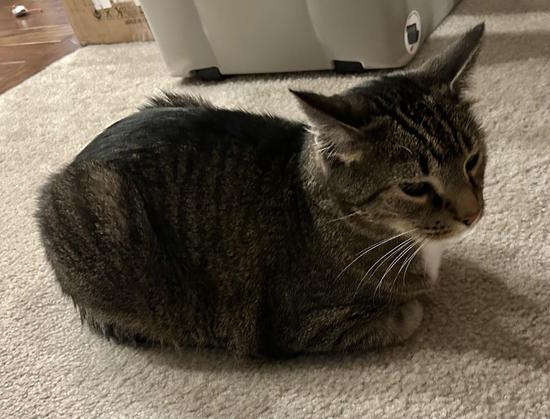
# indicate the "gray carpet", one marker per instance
pixel 483 347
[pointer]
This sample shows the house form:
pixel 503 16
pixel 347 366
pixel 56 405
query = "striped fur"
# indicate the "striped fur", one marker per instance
pixel 189 225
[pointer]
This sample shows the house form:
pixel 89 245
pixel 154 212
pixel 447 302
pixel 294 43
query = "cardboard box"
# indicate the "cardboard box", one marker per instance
pixel 107 21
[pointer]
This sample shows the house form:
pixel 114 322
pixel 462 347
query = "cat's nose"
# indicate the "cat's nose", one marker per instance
pixel 471 218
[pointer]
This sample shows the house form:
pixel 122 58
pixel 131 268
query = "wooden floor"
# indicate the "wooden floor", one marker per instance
pixel 30 43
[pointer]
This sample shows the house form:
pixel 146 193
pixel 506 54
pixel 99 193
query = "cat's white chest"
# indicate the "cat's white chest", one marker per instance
pixel 432 254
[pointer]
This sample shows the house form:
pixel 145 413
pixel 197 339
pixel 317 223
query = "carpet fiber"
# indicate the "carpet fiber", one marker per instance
pixel 483 347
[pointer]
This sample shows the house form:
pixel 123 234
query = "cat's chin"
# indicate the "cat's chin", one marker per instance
pixel 443 238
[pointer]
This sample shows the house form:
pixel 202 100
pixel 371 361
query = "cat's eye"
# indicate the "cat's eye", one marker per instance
pixel 471 163
pixel 417 189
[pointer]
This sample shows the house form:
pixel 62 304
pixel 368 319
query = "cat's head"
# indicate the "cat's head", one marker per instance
pixel 404 150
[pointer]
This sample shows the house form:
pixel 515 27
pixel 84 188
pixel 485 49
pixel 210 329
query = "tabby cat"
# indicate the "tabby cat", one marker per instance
pixel 189 225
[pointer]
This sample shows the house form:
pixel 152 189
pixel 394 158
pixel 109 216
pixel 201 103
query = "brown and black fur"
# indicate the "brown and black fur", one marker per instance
pixel 190 225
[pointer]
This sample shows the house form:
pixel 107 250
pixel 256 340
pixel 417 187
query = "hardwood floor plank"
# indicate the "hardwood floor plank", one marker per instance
pixel 7 70
pixel 52 14
pixel 30 43
pixel 50 54
pixel 43 34
pixel 36 35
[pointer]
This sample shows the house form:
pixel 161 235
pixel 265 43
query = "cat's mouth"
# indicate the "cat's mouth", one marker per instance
pixel 441 235
pixel 446 233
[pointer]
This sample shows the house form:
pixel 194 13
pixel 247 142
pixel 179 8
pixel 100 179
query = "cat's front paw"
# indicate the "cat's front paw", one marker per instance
pixel 403 322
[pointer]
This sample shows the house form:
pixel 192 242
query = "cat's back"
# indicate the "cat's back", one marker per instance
pixel 173 214
pixel 199 127
pixel 212 181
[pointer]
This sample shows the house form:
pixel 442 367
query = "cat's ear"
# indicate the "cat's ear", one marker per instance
pixel 330 118
pixel 452 66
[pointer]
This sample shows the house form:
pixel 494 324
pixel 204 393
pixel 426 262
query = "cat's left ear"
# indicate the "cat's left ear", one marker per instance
pixel 331 118
pixel 452 66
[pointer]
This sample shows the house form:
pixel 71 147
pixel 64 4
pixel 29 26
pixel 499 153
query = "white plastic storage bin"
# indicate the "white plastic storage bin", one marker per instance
pixel 209 37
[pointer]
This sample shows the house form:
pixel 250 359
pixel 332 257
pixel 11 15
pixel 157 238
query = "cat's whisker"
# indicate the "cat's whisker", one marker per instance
pixel 353 214
pixel 397 251
pixel 410 259
pixel 386 256
pixel 398 256
pixel 401 256
pixel 372 247
pixel 417 242
pixel 381 260
pixel 405 148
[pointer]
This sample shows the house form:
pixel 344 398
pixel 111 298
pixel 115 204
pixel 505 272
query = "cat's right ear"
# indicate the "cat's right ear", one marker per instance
pixel 329 117
pixel 452 67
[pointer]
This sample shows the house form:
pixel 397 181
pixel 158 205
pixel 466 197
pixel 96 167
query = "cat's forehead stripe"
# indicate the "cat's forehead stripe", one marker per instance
pixel 432 117
pixel 433 147
pixel 437 125
pixel 435 122
pixel 457 134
